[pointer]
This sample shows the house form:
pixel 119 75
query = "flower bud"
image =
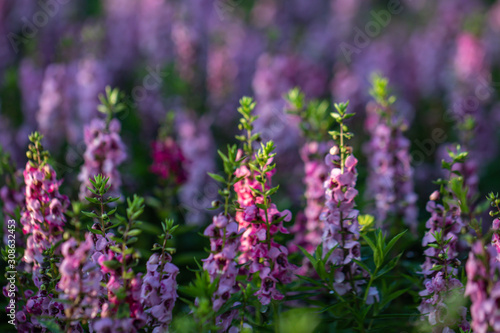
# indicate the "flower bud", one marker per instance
pixel 434 196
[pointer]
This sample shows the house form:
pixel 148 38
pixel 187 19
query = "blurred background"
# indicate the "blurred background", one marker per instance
pixel 183 65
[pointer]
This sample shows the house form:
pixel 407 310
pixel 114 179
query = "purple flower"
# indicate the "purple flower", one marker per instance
pixel 390 179
pixel 442 284
pixel 221 264
pixel 105 152
pixel 340 219
pixel 80 279
pixel 483 288
pixel 159 291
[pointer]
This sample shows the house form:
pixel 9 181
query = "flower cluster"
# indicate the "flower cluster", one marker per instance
pixel 121 290
pixel 390 180
pixel 260 218
pixel 495 240
pixel 221 264
pixel 308 228
pixel 43 217
pixel 159 291
pixel 168 160
pixel 341 229
pixel 80 279
pixel 258 249
pixel 441 239
pixel 483 287
pixel 442 286
pixel 105 152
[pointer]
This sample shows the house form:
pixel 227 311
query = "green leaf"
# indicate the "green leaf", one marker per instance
pixel 51 325
pixel 308 255
pixel 134 232
pixel 217 177
pixel 132 240
pixel 95 231
pixel 115 249
pixel 91 215
pixel 390 266
pixel 113 264
pixel 393 242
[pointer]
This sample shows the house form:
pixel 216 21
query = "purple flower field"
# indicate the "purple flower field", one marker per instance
pixel 249 166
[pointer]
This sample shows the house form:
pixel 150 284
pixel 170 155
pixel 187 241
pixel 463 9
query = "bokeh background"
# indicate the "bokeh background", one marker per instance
pixel 183 65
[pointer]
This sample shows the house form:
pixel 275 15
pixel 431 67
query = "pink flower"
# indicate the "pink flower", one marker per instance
pixel 105 152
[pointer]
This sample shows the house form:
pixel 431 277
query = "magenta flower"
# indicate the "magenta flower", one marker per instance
pixel 43 218
pixel 259 252
pixel 168 161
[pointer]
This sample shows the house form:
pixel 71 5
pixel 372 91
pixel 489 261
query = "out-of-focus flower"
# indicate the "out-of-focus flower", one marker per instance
pixel 308 228
pixel 483 287
pixel 105 152
pixel 159 291
pixel 80 279
pixel 169 161
pixel 390 180
pixel 197 145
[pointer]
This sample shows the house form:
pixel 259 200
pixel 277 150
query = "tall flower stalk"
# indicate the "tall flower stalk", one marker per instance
pixel 159 285
pixel 390 179
pixel 43 220
pixel 105 149
pixel 483 277
pixel 260 218
pixel 315 124
pixel 443 288
pixel 341 232
pixel 224 235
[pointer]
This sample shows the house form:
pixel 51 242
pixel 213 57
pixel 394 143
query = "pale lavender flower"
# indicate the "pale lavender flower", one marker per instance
pixel 154 29
pixel 159 291
pixel 441 284
pixel 221 264
pixel 341 228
